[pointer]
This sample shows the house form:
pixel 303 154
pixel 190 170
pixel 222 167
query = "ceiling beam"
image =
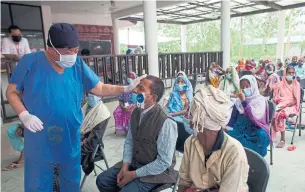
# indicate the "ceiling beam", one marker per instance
pixel 268 4
pixel 132 19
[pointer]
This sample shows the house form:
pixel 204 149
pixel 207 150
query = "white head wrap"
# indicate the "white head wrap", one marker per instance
pixel 210 109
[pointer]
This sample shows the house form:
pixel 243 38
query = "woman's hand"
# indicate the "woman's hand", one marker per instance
pixel 241 96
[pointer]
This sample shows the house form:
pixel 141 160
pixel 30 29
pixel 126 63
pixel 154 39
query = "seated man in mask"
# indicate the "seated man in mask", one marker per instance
pixel 212 160
pixel 148 158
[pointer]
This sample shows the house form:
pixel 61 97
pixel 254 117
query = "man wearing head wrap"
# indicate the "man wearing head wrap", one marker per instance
pixel 212 159
pixel 46 91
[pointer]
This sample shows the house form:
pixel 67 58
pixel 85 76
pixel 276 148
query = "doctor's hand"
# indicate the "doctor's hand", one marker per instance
pixel 31 122
pixel 133 84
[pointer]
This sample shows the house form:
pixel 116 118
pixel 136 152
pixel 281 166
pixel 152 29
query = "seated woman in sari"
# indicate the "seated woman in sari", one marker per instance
pixel 286 96
pixel 250 117
pixel 230 82
pixel 123 111
pixel 179 100
pixel 272 79
pixel 214 74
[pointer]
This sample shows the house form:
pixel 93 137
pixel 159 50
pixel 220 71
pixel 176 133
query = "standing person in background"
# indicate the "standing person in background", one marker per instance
pixel 52 84
pixel 14 46
pixel 300 69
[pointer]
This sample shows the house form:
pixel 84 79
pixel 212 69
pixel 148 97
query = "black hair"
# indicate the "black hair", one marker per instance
pixel 85 52
pixel 12 27
pixel 157 86
pixel 290 67
pixel 142 47
pixel 243 73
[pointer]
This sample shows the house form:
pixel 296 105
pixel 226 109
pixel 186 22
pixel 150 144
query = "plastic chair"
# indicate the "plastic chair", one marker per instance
pixel 258 172
pixel 182 136
pixel 271 114
pixel 95 156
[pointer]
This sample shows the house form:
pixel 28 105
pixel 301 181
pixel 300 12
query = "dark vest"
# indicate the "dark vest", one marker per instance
pixel 145 136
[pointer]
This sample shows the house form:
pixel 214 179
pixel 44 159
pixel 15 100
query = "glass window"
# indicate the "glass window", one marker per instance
pixel 27 17
pixel 5 16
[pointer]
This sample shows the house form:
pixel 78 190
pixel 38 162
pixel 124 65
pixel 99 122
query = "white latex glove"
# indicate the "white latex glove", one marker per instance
pixel 133 84
pixel 31 122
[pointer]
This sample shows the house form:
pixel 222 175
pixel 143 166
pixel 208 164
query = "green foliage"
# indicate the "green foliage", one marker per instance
pixel 206 36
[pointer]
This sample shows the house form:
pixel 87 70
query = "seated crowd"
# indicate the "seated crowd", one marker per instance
pixel 229 113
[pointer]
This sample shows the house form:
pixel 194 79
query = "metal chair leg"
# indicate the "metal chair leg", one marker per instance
pixel 176 185
pixel 106 162
pixel 295 127
pixel 99 167
pixel 83 182
pixel 300 122
pixel 271 146
pixel 95 172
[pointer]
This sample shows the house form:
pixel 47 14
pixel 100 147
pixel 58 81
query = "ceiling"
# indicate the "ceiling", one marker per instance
pixel 74 7
pixel 208 10
pixel 98 7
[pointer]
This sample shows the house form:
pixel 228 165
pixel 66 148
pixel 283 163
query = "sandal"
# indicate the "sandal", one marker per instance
pixel 13 165
pixel 281 144
pixel 291 148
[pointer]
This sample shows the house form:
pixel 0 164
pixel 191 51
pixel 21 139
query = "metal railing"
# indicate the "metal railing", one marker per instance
pixel 113 69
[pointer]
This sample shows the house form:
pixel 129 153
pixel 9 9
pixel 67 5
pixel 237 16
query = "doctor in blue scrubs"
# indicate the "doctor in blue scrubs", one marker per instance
pixel 46 91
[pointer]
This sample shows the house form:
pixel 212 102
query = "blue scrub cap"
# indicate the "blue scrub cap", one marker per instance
pixel 63 35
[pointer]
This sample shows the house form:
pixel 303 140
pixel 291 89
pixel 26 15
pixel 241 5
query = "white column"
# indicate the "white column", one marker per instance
pixel 225 32
pixel 151 42
pixel 281 35
pixel 116 38
pixel 47 19
pixel 182 38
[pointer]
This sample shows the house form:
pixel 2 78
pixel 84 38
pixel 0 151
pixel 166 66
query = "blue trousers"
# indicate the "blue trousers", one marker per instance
pixel 107 182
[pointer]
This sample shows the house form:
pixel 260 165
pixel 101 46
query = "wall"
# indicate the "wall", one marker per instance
pixel 87 19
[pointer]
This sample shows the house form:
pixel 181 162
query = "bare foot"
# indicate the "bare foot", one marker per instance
pixel 281 144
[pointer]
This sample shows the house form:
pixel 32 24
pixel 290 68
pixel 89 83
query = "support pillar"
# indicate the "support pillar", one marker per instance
pixel 151 41
pixel 225 32
pixel 281 36
pixel 47 20
pixel 182 38
pixel 116 38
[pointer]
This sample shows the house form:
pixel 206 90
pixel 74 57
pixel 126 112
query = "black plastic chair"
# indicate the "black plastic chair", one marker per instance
pixel 271 114
pixel 182 136
pixel 95 156
pixel 258 172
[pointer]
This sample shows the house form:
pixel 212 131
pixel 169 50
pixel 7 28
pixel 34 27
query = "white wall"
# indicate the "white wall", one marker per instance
pixel 87 19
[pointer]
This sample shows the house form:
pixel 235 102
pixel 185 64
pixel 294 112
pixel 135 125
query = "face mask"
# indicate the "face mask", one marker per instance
pixel 65 61
pixel 289 78
pixel 180 87
pixel 247 92
pixel 269 72
pixel 16 38
pixel 228 76
pixel 139 98
pixel 129 80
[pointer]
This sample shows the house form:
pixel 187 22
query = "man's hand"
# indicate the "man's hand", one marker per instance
pixel 127 177
pixel 133 84
pixel 121 173
pixel 31 122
